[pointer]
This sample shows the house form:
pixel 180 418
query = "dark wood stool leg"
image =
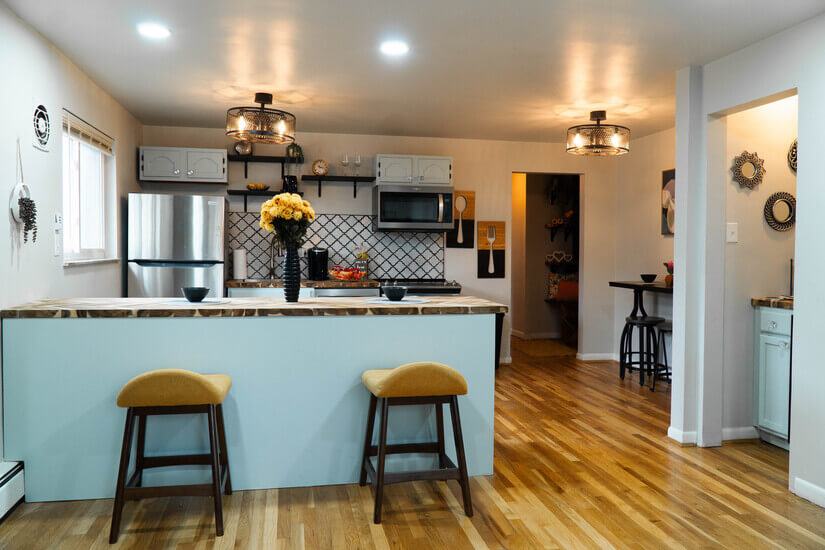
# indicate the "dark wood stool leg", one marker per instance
pixel 439 427
pixel 125 454
pixel 216 471
pixel 654 358
pixel 622 349
pixel 642 356
pixel 462 461
pixel 629 349
pixel 382 456
pixel 223 449
pixel 141 449
pixel 368 440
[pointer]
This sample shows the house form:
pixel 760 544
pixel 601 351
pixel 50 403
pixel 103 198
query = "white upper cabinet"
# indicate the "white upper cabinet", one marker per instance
pixel 413 169
pixel 437 170
pixel 393 169
pixel 182 164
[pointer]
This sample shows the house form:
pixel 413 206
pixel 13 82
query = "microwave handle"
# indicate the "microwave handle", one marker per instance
pixel 440 207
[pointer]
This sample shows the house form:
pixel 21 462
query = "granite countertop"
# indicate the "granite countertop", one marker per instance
pixel 279 283
pixel 779 303
pixel 245 307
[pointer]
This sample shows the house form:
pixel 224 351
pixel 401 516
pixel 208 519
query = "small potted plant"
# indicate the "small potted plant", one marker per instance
pixel 669 277
pixel 288 216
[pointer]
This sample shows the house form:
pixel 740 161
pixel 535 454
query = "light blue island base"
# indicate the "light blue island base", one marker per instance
pixel 295 415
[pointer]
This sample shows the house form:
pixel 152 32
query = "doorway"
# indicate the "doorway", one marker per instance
pixel 545 260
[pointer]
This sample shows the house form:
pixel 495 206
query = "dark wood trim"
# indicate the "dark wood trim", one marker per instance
pixel 368 440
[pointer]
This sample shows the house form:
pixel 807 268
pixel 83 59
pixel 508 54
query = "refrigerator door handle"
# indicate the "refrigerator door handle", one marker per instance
pixel 161 263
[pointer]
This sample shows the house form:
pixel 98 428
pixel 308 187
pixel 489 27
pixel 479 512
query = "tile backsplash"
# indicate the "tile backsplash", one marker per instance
pixel 400 255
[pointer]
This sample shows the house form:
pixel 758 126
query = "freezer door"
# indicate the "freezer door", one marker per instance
pixel 176 227
pixel 165 280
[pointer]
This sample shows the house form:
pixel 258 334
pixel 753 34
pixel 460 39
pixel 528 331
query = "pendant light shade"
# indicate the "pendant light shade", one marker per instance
pixel 260 124
pixel 598 139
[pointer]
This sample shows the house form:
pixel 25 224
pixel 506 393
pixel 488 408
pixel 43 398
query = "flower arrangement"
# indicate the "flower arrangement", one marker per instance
pixel 287 216
pixel 669 267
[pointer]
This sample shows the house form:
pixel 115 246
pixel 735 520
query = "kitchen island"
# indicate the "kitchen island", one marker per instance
pixel 296 411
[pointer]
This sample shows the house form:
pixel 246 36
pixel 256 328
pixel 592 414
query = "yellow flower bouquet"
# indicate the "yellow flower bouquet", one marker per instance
pixel 287 216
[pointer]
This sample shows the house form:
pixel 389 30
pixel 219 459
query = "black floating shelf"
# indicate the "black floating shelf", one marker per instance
pixel 246 159
pixel 354 179
pixel 246 193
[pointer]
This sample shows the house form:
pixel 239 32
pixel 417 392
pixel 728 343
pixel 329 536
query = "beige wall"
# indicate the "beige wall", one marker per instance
pixel 485 167
pixel 640 245
pixel 758 265
pixel 34 70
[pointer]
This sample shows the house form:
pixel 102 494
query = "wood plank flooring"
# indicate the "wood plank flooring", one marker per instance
pixel 582 461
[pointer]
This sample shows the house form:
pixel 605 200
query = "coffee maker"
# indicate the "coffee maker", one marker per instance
pixel 318 258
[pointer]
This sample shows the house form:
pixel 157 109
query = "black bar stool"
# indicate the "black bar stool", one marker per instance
pixel 661 370
pixel 414 384
pixel 647 354
pixel 172 391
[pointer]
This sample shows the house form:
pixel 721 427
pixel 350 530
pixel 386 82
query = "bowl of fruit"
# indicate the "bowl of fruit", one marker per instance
pixel 257 186
pixel 341 273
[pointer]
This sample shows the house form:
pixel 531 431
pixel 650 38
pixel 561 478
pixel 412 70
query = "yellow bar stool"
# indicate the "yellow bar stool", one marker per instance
pixel 422 383
pixel 172 391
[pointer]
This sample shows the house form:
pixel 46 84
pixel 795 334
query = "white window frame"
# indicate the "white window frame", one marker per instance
pixel 85 136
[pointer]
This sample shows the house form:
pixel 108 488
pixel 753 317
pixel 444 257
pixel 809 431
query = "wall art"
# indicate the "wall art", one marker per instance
pixel 748 170
pixel 462 235
pixel 491 248
pixel 668 201
pixel 41 127
pixel 780 211
pixel 792 156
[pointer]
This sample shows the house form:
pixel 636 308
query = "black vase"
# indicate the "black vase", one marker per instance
pixel 292 274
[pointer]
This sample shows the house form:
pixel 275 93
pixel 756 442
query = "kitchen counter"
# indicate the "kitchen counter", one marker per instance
pixel 779 303
pixel 278 283
pixel 296 411
pixel 245 307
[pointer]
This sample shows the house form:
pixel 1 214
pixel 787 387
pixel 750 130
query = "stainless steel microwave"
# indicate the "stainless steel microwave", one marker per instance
pixel 412 208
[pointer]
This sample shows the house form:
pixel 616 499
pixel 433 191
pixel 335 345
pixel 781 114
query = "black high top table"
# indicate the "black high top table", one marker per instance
pixel 639 288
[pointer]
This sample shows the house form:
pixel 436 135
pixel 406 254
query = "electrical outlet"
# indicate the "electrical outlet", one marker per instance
pixel 732 232
pixel 58 234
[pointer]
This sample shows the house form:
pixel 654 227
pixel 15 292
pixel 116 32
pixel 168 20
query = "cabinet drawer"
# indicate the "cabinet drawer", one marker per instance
pixel 777 321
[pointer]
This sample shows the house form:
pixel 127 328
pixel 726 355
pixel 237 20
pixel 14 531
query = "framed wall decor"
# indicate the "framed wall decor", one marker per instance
pixel 462 235
pixel 792 156
pixel 748 170
pixel 668 201
pixel 491 248
pixel 780 211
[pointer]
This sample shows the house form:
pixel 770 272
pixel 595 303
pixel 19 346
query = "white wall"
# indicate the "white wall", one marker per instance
pixel 758 265
pixel 640 245
pixel 34 70
pixel 483 166
pixel 791 60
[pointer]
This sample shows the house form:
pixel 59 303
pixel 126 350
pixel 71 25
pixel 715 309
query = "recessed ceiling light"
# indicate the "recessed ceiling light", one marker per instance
pixel 153 31
pixel 394 48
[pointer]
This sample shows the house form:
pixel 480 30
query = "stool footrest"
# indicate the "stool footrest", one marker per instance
pixel 401 448
pixel 176 460
pixel 137 493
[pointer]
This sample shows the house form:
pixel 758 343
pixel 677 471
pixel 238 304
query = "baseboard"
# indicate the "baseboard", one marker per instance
pixel 809 491
pixel 597 357
pixel 739 432
pixel 685 438
pixel 12 489
pixel 536 335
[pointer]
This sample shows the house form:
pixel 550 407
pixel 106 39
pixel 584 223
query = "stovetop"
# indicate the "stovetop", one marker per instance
pixel 432 286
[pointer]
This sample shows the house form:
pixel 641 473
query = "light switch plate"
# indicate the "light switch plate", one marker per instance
pixel 732 232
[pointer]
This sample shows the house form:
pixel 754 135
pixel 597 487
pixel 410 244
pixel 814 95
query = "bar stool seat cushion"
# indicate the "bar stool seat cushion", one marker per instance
pixel 415 380
pixel 174 387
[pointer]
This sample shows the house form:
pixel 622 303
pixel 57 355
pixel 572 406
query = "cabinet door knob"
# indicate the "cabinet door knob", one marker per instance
pixel 772 324
pixel 190 172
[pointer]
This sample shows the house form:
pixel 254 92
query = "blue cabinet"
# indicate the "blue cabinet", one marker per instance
pixel 773 374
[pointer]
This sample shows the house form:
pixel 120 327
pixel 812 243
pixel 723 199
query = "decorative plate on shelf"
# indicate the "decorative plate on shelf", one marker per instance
pixel 320 167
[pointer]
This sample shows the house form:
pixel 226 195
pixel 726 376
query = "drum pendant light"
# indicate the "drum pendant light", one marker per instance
pixel 598 139
pixel 260 124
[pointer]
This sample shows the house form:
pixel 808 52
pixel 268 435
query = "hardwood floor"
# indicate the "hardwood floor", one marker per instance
pixel 582 461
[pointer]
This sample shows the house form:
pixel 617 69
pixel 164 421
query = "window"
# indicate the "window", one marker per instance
pixel 88 167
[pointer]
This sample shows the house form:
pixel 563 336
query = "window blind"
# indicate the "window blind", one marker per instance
pixel 85 132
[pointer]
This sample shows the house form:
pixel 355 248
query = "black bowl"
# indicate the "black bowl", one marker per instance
pixel 394 293
pixel 195 293
pixel 648 277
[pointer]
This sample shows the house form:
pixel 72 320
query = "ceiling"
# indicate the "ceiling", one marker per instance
pixel 518 70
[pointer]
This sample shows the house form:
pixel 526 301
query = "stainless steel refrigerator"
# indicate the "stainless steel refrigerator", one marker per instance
pixel 174 241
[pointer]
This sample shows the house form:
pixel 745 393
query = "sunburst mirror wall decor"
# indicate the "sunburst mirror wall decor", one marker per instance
pixel 792 156
pixel 748 170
